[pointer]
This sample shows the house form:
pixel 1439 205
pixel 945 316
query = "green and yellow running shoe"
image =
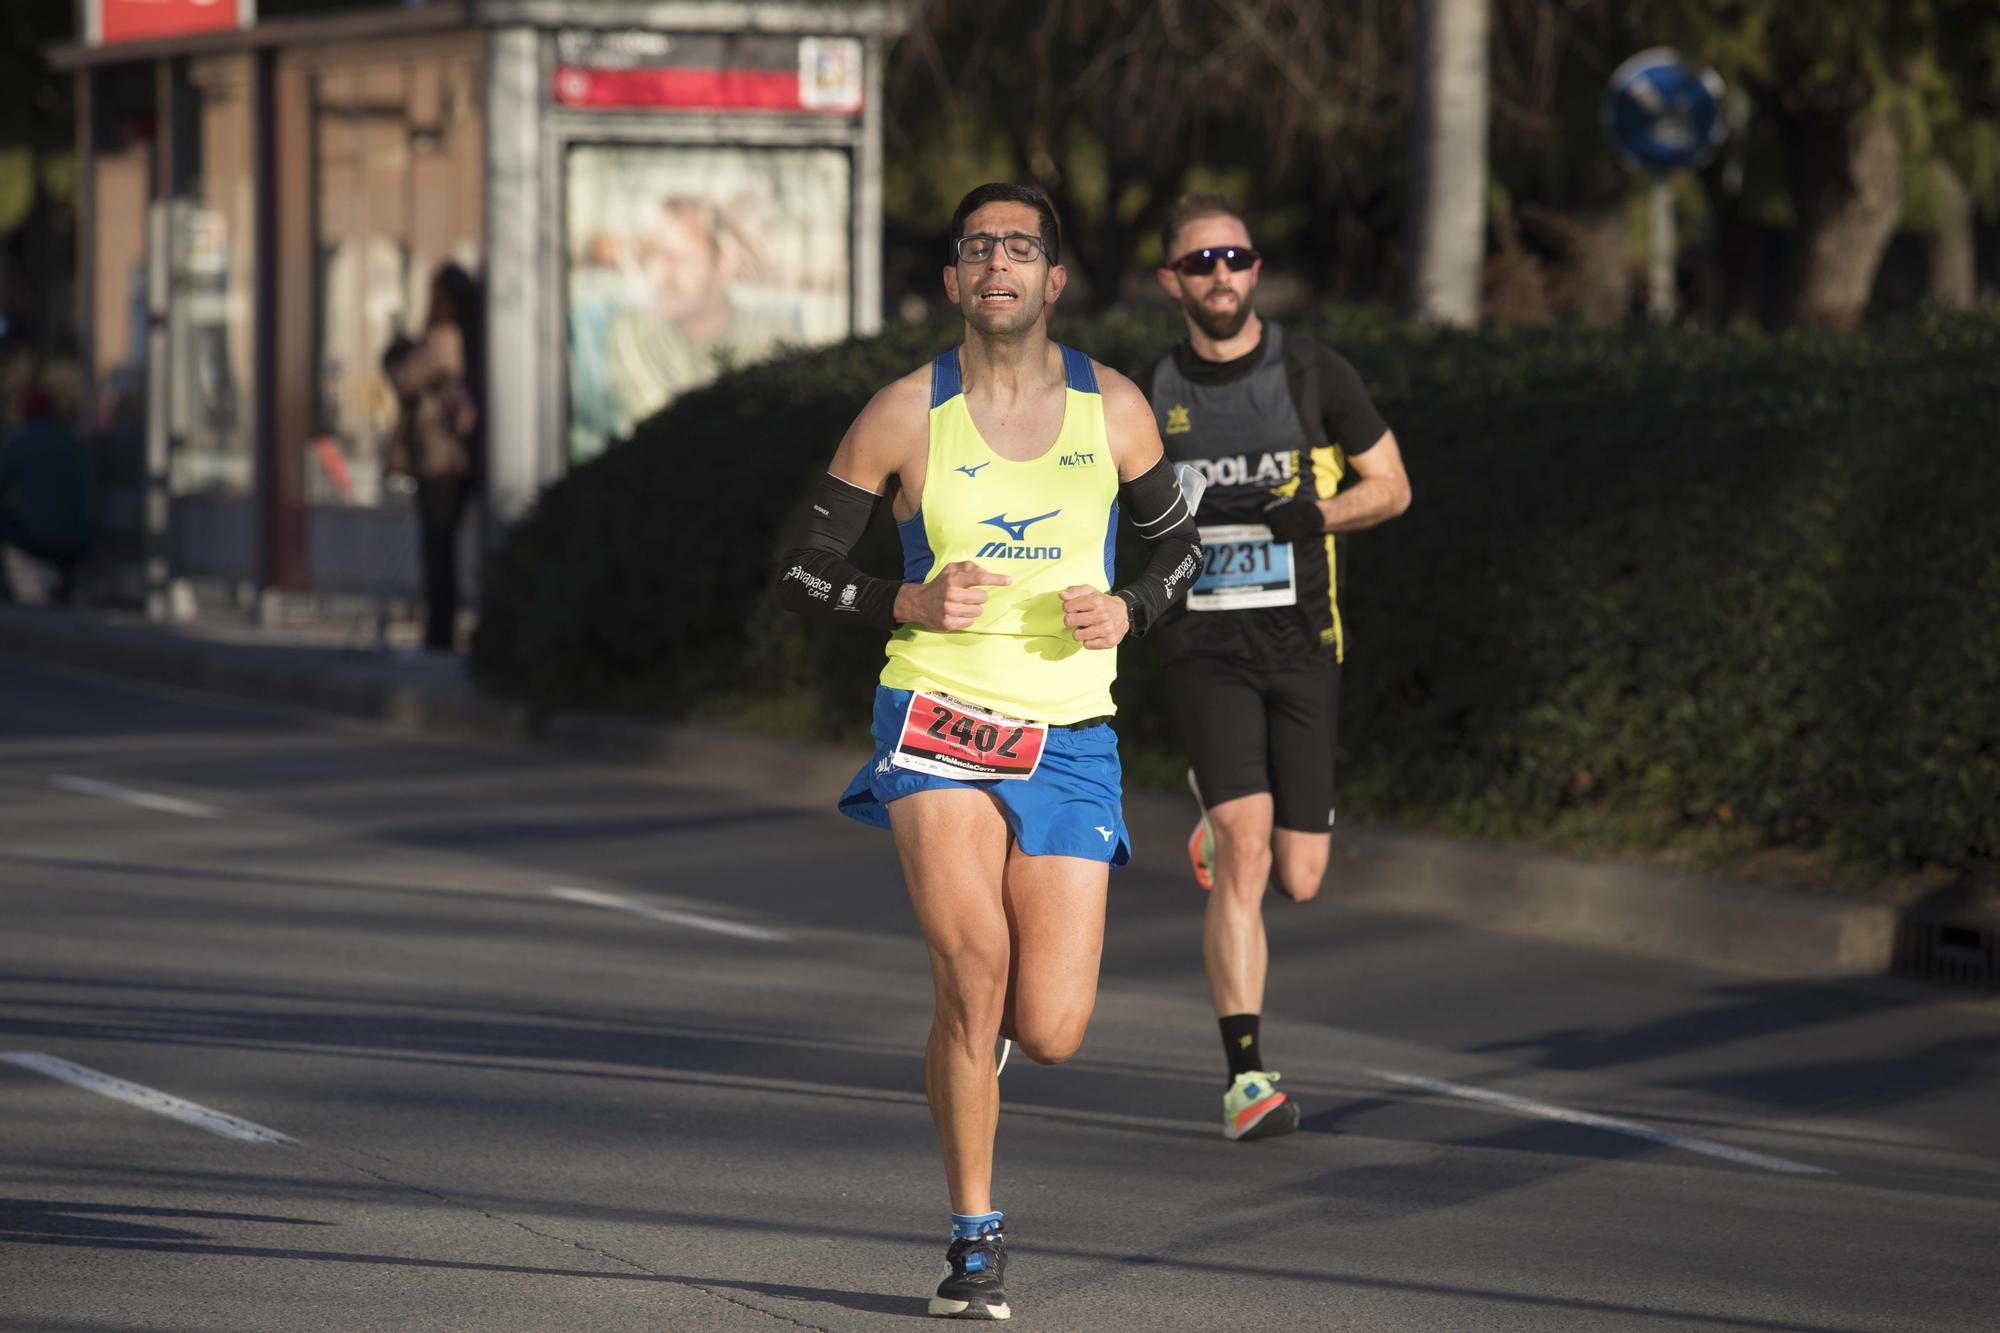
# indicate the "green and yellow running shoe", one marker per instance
pixel 1253 1108
pixel 1201 843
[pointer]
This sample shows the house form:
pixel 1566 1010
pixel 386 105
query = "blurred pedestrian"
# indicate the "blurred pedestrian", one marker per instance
pixel 438 439
pixel 45 493
pixel 1294 454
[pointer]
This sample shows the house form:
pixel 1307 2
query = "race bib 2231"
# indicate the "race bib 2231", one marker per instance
pixel 1242 566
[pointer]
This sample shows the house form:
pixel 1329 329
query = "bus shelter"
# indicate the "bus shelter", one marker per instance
pixel 648 191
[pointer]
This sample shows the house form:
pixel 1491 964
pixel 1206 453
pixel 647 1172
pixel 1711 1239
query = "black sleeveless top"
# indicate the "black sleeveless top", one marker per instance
pixel 1281 420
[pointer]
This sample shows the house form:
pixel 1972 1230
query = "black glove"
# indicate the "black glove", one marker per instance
pixel 1294 520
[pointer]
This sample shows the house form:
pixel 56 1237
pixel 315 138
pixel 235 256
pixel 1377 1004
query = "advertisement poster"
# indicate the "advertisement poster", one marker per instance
pixel 686 261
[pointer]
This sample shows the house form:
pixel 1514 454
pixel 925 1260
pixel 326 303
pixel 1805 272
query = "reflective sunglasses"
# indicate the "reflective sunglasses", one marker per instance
pixel 1197 262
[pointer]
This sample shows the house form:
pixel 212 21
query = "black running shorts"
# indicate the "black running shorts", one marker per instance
pixel 1253 730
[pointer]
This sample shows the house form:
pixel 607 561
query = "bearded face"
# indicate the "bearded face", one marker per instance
pixel 1220 312
pixel 1220 301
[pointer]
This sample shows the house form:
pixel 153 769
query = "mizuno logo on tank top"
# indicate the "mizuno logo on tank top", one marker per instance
pixel 1047 523
pixel 1017 530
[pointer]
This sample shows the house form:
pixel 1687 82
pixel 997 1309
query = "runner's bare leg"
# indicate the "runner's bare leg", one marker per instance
pixel 954 845
pixel 1055 914
pixel 1299 862
pixel 1233 946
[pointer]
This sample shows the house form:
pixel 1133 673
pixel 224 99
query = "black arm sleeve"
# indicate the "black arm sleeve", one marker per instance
pixel 818 577
pixel 1160 515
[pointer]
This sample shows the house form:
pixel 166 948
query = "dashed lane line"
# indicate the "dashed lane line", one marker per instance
pixel 737 929
pixel 112 791
pixel 149 1099
pixel 1529 1106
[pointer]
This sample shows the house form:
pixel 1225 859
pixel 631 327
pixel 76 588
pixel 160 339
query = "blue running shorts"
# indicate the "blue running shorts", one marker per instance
pixel 1072 806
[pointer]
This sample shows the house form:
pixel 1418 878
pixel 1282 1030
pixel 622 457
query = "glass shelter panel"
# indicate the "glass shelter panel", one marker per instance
pixel 212 400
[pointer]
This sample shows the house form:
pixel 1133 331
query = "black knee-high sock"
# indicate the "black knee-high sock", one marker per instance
pixel 1239 1043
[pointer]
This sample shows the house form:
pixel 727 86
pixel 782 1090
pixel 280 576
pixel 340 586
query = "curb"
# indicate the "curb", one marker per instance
pixel 1684 917
pixel 1712 921
pixel 345 682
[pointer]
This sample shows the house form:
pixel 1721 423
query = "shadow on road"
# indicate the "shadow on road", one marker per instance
pixel 867 1302
pixel 60 1221
pixel 1749 1011
pixel 913 1307
pixel 485 835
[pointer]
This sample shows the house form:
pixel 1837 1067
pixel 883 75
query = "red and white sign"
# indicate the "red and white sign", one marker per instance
pixel 681 89
pixel 107 22
pixel 644 70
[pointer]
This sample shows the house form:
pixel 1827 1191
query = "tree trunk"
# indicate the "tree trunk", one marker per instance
pixel 1848 189
pixel 1447 215
pixel 1953 284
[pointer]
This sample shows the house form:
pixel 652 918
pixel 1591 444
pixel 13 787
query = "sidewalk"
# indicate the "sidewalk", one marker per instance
pixel 331 669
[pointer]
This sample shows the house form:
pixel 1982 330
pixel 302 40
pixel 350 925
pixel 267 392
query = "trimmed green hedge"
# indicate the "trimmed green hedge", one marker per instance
pixel 1720 592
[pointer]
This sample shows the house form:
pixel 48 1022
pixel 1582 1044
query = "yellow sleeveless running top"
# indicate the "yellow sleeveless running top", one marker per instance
pixel 1048 524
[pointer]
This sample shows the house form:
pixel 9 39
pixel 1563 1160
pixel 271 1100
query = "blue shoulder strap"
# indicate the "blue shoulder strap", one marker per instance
pixel 1078 373
pixel 945 384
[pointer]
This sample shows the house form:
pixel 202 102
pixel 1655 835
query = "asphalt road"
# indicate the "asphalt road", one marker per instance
pixel 554 1046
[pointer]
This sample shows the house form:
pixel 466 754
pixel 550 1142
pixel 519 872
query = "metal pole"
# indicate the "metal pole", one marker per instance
pixel 1660 268
pixel 85 313
pixel 157 516
pixel 865 289
pixel 526 441
pixel 266 365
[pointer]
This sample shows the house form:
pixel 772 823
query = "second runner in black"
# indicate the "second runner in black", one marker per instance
pixel 1295 456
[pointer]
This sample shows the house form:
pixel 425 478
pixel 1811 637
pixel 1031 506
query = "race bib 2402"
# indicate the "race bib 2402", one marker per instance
pixel 949 739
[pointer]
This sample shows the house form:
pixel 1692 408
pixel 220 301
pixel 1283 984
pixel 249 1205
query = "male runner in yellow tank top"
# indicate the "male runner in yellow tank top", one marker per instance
pixel 995 767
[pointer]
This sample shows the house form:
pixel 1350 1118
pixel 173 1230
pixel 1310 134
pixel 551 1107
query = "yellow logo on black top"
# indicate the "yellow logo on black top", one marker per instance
pixel 1177 420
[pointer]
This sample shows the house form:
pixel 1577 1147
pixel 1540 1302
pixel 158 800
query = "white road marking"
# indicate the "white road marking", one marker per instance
pixel 1529 1106
pixel 150 1099
pixel 669 915
pixel 172 805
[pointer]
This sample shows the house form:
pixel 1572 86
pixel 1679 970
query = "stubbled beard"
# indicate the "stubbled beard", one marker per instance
pixel 1221 325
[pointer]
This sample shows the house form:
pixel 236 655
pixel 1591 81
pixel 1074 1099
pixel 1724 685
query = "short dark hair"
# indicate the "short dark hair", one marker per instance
pixel 1189 207
pixel 1000 192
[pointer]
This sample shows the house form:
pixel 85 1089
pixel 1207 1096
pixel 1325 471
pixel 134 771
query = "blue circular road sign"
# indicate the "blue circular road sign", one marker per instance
pixel 1662 113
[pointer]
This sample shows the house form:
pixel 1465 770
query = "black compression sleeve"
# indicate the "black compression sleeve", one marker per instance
pixel 1160 513
pixel 818 577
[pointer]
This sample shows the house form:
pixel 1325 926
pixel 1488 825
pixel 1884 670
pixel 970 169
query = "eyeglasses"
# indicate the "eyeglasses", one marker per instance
pixel 1197 262
pixel 1021 247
